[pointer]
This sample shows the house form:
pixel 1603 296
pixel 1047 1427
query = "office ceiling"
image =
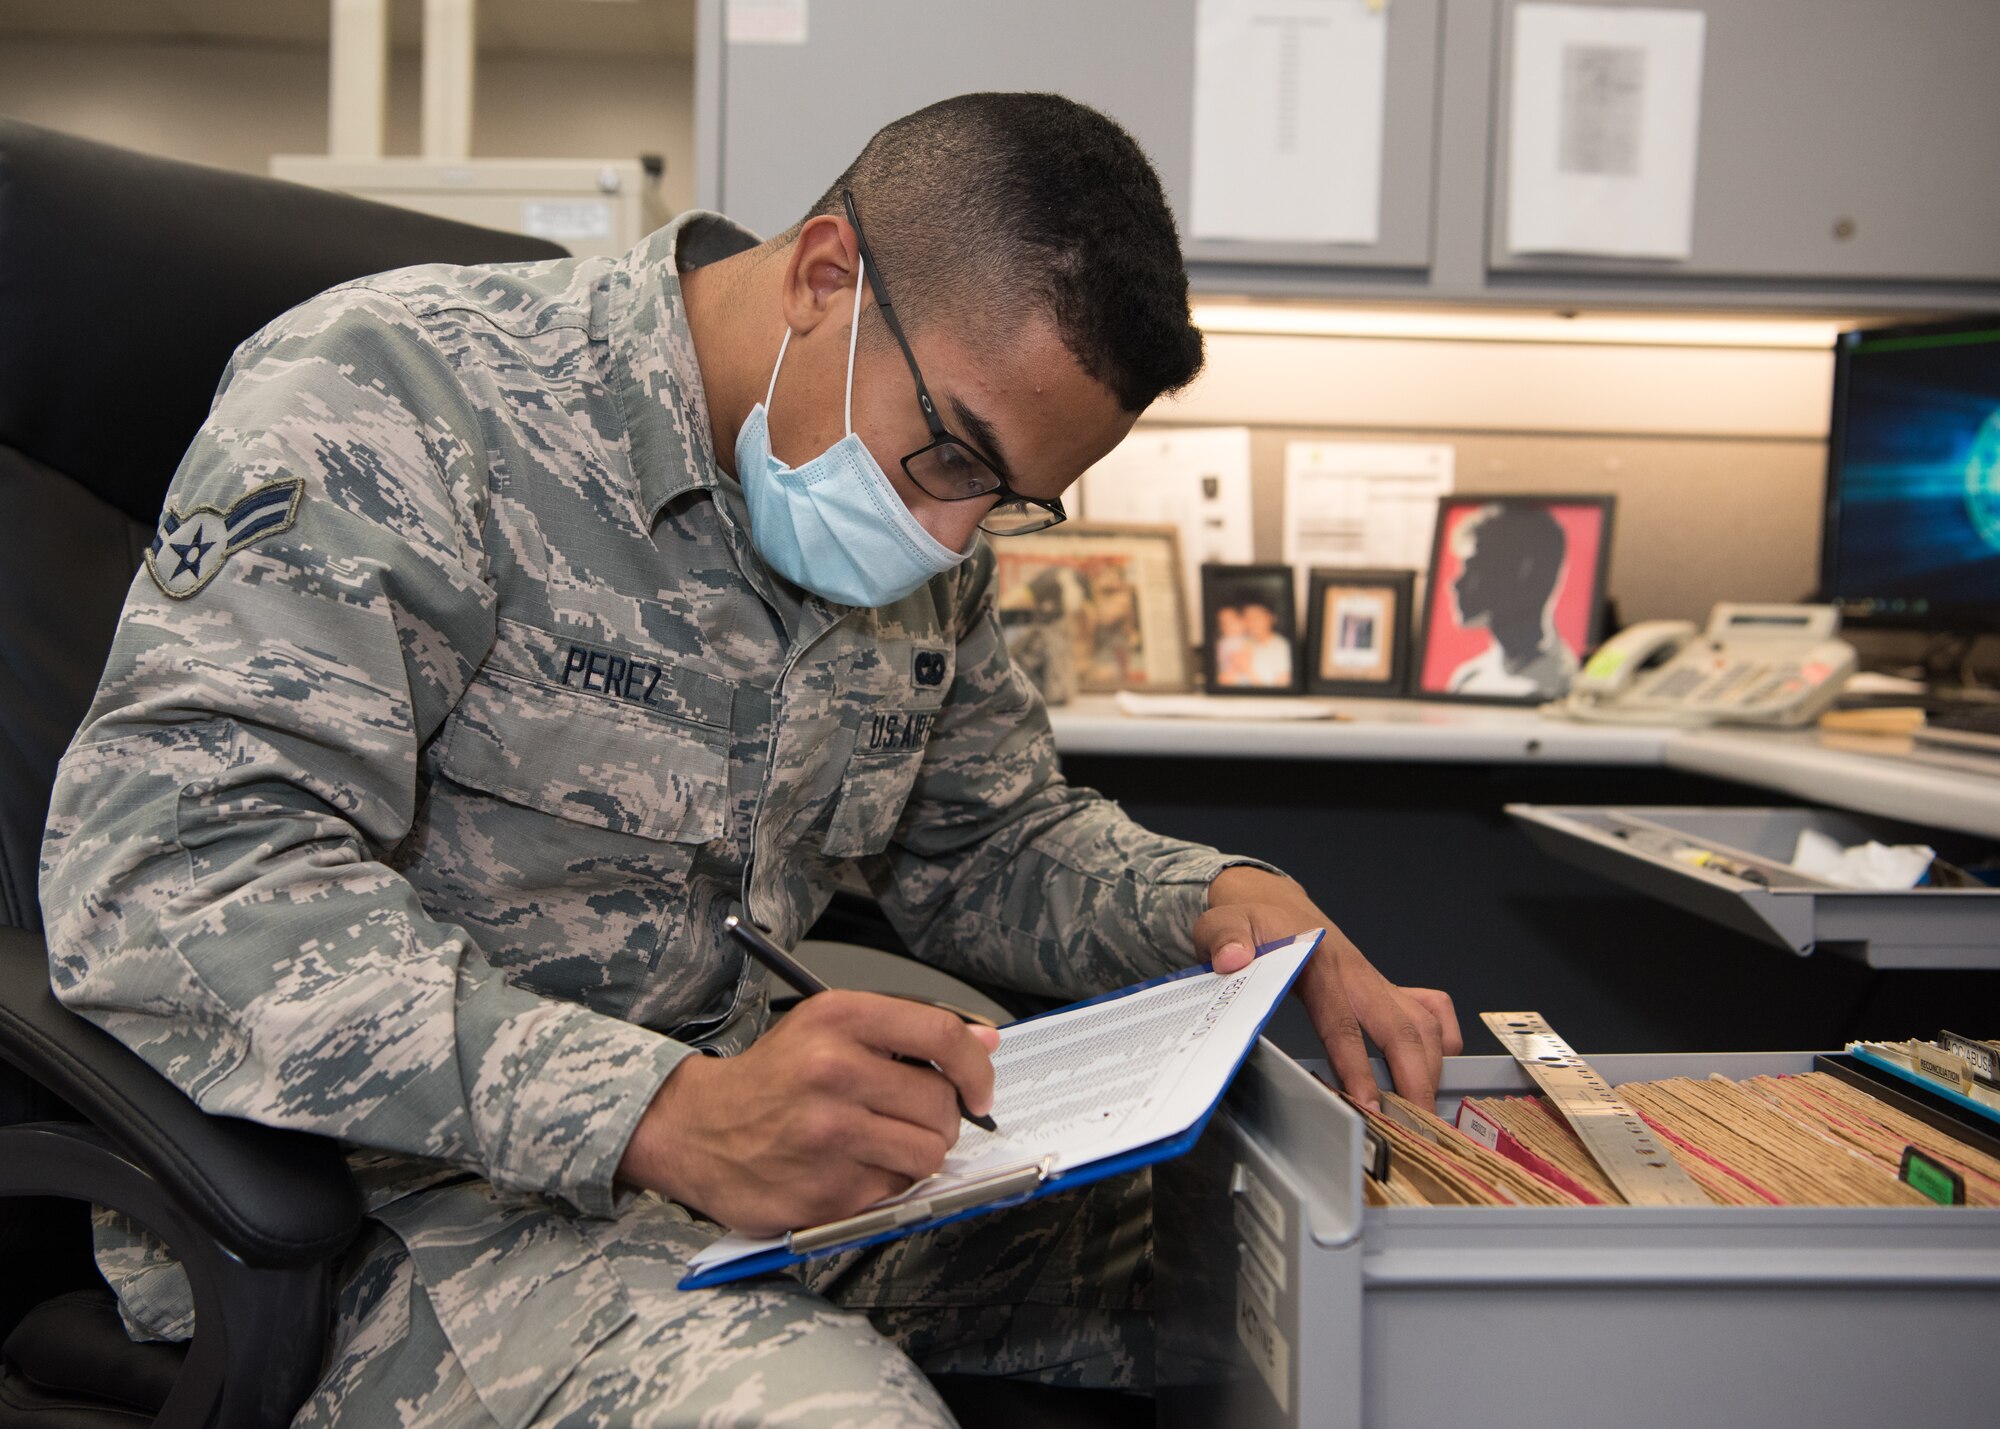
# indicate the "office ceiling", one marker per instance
pixel 609 27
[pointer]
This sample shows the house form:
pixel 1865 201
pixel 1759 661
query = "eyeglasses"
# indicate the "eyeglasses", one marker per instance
pixel 948 469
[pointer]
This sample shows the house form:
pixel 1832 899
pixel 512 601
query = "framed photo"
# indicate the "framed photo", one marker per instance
pixel 1116 590
pixel 1250 639
pixel 1358 631
pixel 1515 596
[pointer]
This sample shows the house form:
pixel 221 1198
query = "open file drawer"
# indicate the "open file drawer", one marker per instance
pixel 1545 1317
pixel 1903 928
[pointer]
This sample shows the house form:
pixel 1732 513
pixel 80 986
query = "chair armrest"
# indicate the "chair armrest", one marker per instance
pixel 273 1198
pixel 858 919
pixel 260 1332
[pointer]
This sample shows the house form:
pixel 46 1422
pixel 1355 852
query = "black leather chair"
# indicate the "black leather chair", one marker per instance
pixel 125 281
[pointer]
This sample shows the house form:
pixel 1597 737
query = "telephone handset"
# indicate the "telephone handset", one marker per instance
pixel 1629 654
pixel 1755 664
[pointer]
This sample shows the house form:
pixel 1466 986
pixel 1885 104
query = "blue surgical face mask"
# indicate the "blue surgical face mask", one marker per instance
pixel 834 525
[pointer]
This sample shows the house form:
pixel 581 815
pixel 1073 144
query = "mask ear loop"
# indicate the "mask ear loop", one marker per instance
pixel 853 331
pixel 769 391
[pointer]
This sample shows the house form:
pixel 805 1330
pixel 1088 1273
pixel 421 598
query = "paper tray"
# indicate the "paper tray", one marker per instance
pixel 1642 1317
pixel 1908 928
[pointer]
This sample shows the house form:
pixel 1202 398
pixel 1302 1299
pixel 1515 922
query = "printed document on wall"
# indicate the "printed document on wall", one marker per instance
pixel 1363 503
pixel 1197 478
pixel 1288 101
pixel 765 22
pixel 1606 114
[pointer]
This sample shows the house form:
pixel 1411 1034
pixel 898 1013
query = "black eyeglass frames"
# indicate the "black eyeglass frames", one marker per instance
pixel 948 468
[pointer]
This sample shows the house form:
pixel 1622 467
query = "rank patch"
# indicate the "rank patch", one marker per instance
pixel 188 550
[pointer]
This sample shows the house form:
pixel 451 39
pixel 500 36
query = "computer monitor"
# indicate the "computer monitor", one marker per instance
pixel 1912 537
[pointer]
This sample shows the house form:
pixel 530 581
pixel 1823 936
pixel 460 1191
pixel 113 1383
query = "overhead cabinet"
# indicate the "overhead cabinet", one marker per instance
pixel 790 116
pixel 1844 157
pixel 1841 141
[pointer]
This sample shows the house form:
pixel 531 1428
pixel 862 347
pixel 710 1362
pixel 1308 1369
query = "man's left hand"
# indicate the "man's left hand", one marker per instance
pixel 1344 995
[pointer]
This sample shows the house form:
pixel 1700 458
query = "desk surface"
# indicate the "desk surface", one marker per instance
pixel 1414 730
pixel 1787 762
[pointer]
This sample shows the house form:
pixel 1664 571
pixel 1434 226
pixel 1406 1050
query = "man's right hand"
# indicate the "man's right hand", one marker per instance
pixel 815 1120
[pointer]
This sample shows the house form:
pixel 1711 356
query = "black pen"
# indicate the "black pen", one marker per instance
pixel 802 980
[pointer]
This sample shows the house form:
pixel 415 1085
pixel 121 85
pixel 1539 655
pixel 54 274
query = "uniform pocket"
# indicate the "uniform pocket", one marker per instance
pixel 887 756
pixel 563 831
pixel 872 795
pixel 520 1295
pixel 894 699
pixel 588 760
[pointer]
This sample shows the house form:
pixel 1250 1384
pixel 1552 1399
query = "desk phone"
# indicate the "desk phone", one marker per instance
pixel 1754 664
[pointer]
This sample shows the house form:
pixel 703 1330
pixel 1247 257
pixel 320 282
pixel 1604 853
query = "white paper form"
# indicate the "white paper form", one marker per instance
pixel 1606 115
pixel 765 22
pixel 1197 478
pixel 1362 503
pixel 1091 1082
pixel 1288 99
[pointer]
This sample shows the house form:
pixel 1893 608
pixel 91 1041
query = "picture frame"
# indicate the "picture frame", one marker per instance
pixel 1116 592
pixel 1250 642
pixel 1514 597
pixel 1358 634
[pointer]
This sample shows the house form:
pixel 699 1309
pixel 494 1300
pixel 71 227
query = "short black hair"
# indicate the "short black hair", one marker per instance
pixel 975 198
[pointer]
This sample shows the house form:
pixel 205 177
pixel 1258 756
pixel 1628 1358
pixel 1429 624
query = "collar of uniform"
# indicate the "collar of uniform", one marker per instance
pixel 655 370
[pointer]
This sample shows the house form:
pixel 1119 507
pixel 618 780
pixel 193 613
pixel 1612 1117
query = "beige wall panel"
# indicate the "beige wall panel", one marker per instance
pixel 235 105
pixel 1716 454
pixel 1698 520
pixel 1510 386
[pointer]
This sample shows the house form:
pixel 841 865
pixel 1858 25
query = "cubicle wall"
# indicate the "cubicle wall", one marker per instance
pixel 1841 142
pixel 1698 520
pixel 1716 454
pixel 866 62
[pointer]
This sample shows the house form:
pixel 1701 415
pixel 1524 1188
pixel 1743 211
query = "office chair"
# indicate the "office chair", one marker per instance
pixel 125 282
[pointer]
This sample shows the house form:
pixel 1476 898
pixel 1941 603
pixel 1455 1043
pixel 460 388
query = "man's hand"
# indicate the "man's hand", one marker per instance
pixel 814 1121
pixel 1414 1026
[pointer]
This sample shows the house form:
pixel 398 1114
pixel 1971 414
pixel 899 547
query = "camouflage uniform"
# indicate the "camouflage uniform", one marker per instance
pixel 451 714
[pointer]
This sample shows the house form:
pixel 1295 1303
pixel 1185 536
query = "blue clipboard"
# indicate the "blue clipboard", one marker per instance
pixel 1012 1187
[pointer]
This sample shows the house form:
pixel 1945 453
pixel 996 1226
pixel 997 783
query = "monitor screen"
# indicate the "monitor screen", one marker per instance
pixel 1913 477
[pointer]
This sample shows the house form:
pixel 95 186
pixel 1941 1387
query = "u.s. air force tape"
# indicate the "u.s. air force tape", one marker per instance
pixel 188 550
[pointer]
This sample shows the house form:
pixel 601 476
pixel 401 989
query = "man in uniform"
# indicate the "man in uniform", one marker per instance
pixel 507 627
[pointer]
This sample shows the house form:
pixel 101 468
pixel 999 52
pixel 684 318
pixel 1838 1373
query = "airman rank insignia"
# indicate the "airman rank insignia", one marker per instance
pixel 187 551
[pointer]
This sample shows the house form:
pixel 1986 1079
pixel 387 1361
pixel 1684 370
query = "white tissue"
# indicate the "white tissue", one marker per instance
pixel 1869 865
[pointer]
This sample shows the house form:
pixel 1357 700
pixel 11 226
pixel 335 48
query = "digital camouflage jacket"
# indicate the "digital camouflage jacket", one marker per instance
pixel 453 711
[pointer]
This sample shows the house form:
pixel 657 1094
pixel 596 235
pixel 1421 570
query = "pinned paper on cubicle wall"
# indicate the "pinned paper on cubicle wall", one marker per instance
pixel 1288 98
pixel 765 22
pixel 1196 478
pixel 1367 504
pixel 1605 118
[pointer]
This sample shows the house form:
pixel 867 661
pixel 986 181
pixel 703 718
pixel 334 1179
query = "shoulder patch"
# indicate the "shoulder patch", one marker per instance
pixel 188 550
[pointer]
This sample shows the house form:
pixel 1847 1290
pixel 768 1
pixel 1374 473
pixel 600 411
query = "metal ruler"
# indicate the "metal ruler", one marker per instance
pixel 1621 1144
